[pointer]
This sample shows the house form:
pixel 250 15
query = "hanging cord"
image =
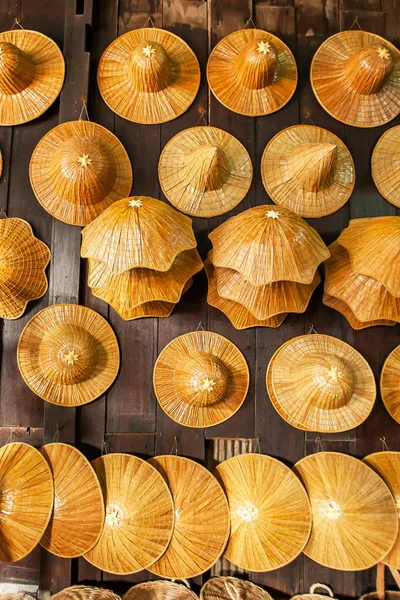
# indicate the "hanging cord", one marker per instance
pixel 308 117
pixel 149 21
pixel 356 22
pixel 84 111
pixel 202 112
pixel 200 327
pixel 384 444
pixel 3 213
pixel 56 435
pixel 312 330
pixel 318 443
pixel 10 438
pixel 174 448
pixel 250 22
pixel 16 24
pixel 104 450
pixel 257 446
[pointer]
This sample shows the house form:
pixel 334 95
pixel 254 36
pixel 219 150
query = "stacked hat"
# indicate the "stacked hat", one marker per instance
pixel 142 256
pixel 263 265
pixel 363 272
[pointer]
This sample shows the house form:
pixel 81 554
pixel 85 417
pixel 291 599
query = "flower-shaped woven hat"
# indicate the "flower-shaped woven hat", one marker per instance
pixel 68 354
pixel 269 510
pixel 78 513
pixel 308 170
pixel 355 76
pixel 201 379
pixel 205 171
pixel 160 590
pixel 390 384
pixel 139 515
pixel 252 72
pixel 229 588
pixel 201 526
pixel 31 75
pixel 85 592
pixel 148 76
pixel 26 499
pixel 78 169
pixel 346 311
pixel 385 165
pixel 354 515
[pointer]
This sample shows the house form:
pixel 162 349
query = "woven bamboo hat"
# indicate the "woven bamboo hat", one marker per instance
pixel 148 76
pixel 26 499
pixel 346 311
pixel 308 170
pixel 78 512
pixel 68 354
pixel 31 75
pixel 78 169
pixel 200 379
pixel 390 384
pixel 232 588
pixel 85 592
pixel 160 590
pixel 252 72
pixel 139 515
pixel 205 171
pixel 24 260
pixel 312 595
pixel 355 76
pixel 385 165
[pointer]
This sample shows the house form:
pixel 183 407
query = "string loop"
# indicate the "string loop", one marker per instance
pixel 56 434
pixel 356 22
pixel 318 443
pixel 250 22
pixel 3 213
pixel 84 111
pixel 384 444
pixel 150 21
pixel 312 330
pixel 175 446
pixel 16 23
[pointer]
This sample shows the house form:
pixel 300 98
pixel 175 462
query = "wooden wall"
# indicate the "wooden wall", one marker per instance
pixel 128 418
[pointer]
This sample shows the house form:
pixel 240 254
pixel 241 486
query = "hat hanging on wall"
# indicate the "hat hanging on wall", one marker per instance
pixel 148 76
pixel 85 592
pixel 160 590
pixel 227 588
pixel 355 76
pixel 252 72
pixel 312 595
pixel 31 75
pixel 385 165
pixel 390 384
pixel 346 311
pixel 308 170
pixel 78 169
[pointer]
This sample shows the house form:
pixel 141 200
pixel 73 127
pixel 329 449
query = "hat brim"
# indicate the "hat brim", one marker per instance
pixel 346 311
pixel 389 384
pixel 384 173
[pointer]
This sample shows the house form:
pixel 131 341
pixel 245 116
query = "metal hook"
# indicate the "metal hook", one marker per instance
pixel 319 445
pixel 16 22
pixel 149 20
pixel 384 444
pixel 84 110
pixel 175 446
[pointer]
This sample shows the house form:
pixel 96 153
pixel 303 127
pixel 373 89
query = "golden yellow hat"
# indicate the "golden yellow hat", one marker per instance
pixel 385 165
pixel 390 384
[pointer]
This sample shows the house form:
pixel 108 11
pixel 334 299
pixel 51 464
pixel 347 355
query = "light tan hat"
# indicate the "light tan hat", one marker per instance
pixel 385 165
pixel 390 384
pixel 346 311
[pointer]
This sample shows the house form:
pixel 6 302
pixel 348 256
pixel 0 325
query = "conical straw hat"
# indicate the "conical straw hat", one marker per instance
pixel 268 243
pixel 26 500
pixel 355 77
pixel 139 515
pixel 385 165
pixel 269 510
pixel 252 72
pixel 308 170
pixel 232 588
pixel 78 513
pixel 354 515
pixel 148 76
pixel 200 379
pixel 390 384
pixel 205 171
pixel 85 592
pixel 201 527
pixel 31 75
pixel 68 354
pixel 160 590
pixel 24 260
pixel 77 170
pixel 346 311
pixel 138 232
pixel 322 383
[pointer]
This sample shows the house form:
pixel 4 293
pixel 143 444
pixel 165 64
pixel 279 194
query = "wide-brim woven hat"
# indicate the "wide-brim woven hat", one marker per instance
pixel 160 590
pixel 232 588
pixel 26 499
pixel 355 76
pixel 85 592
pixel 68 354
pixel 78 169
pixel 31 75
pixel 390 384
pixel 308 170
pixel 252 72
pixel 354 515
pixel 78 514
pixel 346 311
pixel 139 515
pixel 200 379
pixel 148 76
pixel 385 165
pixel 205 171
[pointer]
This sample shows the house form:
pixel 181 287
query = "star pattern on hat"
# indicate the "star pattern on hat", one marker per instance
pixel 273 214
pixel 148 50
pixel 263 47
pixel 84 160
pixel 207 385
pixel 71 357
pixel 135 203
pixel 383 52
pixel 333 374
pixel 112 517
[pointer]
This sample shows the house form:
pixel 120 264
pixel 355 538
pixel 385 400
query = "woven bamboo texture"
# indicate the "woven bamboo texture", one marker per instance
pixel 85 592
pixel 252 72
pixel 269 511
pixel 78 513
pixel 354 515
pixel 385 165
pixel 24 259
pixel 312 595
pixel 1 163
pixel 200 379
pixel 68 354
pixel 160 590
pixel 390 384
pixel 345 310
pixel 148 76
pixel 77 170
pixel 355 78
pixel 139 515
pixel 232 588
pixel 26 500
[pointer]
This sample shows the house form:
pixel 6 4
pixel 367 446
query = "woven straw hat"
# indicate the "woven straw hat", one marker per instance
pixel 85 592
pixel 160 590
pixel 31 75
pixel 354 515
pixel 312 595
pixel 148 76
pixel 200 379
pixel 269 511
pixel 252 72
pixel 385 165
pixel 390 384
pixel 205 171
pixel 232 588
pixel 201 526
pixel 24 261
pixel 68 354
pixel 322 383
pixel 78 512
pixel 355 77
pixel 26 499
pixel 308 170
pixel 345 310
pixel 77 170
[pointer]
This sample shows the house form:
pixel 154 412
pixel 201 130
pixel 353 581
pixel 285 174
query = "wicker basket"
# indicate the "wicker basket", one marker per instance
pixel 381 593
pixel 385 165
pixel 390 384
pixel 85 592
pixel 160 590
pixel 345 310
pixel 312 595
pixel 232 588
